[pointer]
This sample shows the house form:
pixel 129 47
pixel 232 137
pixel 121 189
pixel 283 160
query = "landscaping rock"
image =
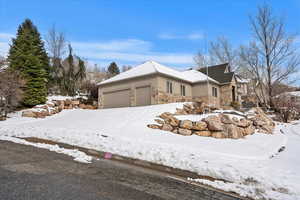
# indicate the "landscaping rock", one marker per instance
pixel 235 119
pixel 214 123
pixel 249 130
pixel 225 119
pixel 154 126
pixel 218 134
pixel 159 121
pixel 243 123
pixel 186 132
pixel 202 133
pixel 76 103
pixel 175 131
pixel 186 124
pixel 28 113
pixel 200 126
pixel 167 127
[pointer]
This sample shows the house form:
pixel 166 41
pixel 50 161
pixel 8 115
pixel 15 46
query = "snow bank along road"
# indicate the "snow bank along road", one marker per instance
pixel 27 173
pixel 252 166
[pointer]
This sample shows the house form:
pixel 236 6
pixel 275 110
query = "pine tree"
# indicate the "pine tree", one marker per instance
pixel 27 55
pixel 113 69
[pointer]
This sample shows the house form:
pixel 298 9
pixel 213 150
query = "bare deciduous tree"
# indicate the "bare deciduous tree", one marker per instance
pixel 219 52
pixel 56 45
pixel 10 91
pixel 272 57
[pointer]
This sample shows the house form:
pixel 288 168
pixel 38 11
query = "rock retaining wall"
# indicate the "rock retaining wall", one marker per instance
pixel 217 125
pixel 54 107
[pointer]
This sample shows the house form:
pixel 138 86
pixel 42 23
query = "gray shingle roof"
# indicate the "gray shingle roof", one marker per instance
pixel 218 72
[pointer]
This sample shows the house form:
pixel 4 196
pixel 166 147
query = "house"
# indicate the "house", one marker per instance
pixel 232 87
pixel 152 83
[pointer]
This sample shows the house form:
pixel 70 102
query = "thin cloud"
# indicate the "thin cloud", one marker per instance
pixel 5 39
pixel 129 51
pixel 192 36
pixel 168 58
pixel 115 45
pixel 6 36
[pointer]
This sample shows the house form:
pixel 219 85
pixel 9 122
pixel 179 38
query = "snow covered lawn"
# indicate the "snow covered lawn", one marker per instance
pixel 245 163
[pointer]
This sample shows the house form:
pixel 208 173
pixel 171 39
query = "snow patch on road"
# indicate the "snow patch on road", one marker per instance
pixel 77 155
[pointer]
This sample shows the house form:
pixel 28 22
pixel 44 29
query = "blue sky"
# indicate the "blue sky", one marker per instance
pixel 132 31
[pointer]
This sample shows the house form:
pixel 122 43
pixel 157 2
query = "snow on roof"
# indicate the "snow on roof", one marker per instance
pixel 152 67
pixel 196 76
pixel 242 80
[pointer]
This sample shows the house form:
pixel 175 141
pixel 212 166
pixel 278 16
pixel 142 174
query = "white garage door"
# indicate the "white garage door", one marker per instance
pixel 115 99
pixel 143 96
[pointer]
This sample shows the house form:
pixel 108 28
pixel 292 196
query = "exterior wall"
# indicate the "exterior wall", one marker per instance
pixel 226 93
pixel 129 84
pixel 202 91
pixel 158 84
pixel 163 97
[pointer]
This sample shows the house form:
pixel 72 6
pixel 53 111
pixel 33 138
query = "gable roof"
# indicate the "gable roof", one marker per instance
pixel 219 73
pixel 152 67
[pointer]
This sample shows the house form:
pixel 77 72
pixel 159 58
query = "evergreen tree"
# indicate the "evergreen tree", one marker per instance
pixel 113 69
pixel 27 55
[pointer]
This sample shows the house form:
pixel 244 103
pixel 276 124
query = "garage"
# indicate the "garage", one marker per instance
pixel 143 96
pixel 115 99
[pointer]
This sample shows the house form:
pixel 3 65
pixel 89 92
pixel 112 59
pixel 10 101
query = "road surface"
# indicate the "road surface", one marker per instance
pixel 29 173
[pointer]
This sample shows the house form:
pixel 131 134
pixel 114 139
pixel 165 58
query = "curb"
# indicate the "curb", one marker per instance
pixel 177 173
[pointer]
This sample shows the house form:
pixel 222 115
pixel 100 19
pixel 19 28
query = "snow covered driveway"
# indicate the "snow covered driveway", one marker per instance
pixel 245 163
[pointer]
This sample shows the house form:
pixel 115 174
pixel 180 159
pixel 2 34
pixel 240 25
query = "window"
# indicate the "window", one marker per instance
pixel 182 90
pixel 169 87
pixel 214 91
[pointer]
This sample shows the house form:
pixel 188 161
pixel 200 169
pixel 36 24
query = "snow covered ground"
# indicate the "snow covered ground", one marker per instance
pixel 251 166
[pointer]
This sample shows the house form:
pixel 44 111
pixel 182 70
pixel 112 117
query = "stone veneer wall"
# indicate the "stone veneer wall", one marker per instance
pixel 226 93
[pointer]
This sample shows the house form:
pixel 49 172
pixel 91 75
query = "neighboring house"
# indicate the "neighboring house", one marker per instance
pixel 153 83
pixel 294 97
pixel 232 87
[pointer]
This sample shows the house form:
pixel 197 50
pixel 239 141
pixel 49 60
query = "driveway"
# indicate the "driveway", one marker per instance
pixel 29 173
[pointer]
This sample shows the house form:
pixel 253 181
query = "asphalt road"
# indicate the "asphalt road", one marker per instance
pixel 29 173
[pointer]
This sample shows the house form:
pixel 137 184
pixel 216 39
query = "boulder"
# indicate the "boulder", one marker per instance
pixel 90 107
pixel 202 133
pixel 186 124
pixel 165 115
pixel 154 126
pixel 180 111
pixel 175 131
pixel 50 104
pixel 235 119
pixel 75 103
pixel 159 121
pixel 218 134
pixel 233 131
pixel 28 113
pixel 82 106
pixel 214 123
pixel 172 120
pixel 225 119
pixel 60 107
pixel 243 123
pixel 259 122
pixel 200 126
pixel 167 127
pixel 68 102
pixel 183 131
pixel 249 130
